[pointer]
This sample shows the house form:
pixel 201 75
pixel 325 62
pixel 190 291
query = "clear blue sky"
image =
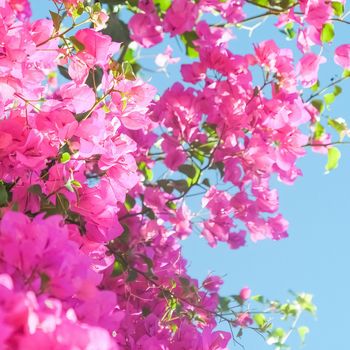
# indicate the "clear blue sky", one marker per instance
pixel 315 257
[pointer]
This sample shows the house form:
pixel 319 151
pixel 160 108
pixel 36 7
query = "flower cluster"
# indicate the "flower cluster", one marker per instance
pixel 90 254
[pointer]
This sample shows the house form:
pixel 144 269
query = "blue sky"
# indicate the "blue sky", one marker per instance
pixel 315 257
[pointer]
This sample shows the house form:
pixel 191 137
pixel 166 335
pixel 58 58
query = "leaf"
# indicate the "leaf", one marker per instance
pixel 171 205
pixel 260 320
pixel 315 87
pixel 180 185
pixel 346 73
pixel 76 43
pixel 117 30
pixel 162 5
pixel 289 30
pixel 166 185
pixel 62 203
pixel 35 189
pixel 56 19
pixel 318 131
pixel 118 268
pixel 302 331
pixel 187 38
pixel 329 98
pixel 240 333
pixel 258 298
pixel 127 71
pixel 147 172
pixel 339 125
pixel 132 275
pixel 129 202
pixel 188 169
pixel 327 33
pixel 64 72
pixel 44 281
pixel 338 8
pixel 318 104
pixel 95 77
pixel 184 281
pixel 224 303
pixel 305 301
pixel 337 90
pixel 333 159
pixel 65 157
pixel 206 182
pixel 3 195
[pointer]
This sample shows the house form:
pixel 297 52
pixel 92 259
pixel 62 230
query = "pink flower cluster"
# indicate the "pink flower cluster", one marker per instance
pixel 89 242
pixel 76 271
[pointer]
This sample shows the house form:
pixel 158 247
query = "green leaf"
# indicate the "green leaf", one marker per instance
pixel 163 5
pixel 206 182
pixel 181 185
pixel 263 3
pixel 315 87
pixel 145 311
pixel 3 195
pixel 187 38
pixel 258 298
pixel 64 72
pixel 44 281
pixel 289 30
pixel 129 202
pixel 132 275
pixel 127 71
pixel 76 183
pixel 338 8
pixel 62 203
pixel 302 331
pixel 35 189
pixel 56 19
pixel 76 43
pixel 319 130
pixel 188 169
pixel 224 303
pixel 337 90
pixel 339 125
pixel 118 268
pixel 305 301
pixel 94 78
pixel 117 30
pixel 318 104
pixel 327 33
pixel 329 98
pixel 346 73
pixel 96 7
pixel 171 205
pixel 146 171
pixel 65 157
pixel 192 171
pixel 260 320
pixel 333 158
pixel 166 185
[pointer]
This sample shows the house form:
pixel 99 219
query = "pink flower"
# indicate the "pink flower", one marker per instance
pixel 342 56
pixel 307 68
pixel 245 293
pixel 213 283
pixel 164 59
pixel 175 155
pixel 98 48
pixel 318 12
pixel 243 319
pixel 146 29
pixel 180 17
